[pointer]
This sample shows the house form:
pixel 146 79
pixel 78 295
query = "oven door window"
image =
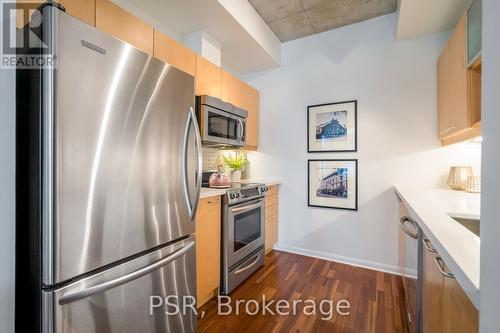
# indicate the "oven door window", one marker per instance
pixel 222 126
pixel 247 228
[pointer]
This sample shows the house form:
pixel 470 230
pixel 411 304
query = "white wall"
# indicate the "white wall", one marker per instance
pixel 395 85
pixel 7 196
pixel 490 208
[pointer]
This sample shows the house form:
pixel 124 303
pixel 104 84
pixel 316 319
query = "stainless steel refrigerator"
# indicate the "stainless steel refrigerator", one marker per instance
pixel 108 181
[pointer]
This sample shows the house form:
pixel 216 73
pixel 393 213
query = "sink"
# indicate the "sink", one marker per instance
pixel 469 223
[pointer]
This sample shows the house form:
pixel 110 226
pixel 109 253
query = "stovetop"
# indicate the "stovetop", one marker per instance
pixel 239 192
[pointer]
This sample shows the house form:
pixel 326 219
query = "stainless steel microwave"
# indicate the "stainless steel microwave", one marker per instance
pixel 221 124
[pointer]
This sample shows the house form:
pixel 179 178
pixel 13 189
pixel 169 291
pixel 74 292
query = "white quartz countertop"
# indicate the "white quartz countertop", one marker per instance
pixel 459 247
pixel 212 192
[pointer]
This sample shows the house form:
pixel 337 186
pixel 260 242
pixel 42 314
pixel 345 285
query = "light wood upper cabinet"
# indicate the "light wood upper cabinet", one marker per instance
pixel 459 314
pixel 177 55
pixel 208 238
pixel 444 104
pixel 81 9
pixel 458 78
pixel 208 78
pixel 123 25
pixel 459 91
pixel 250 102
pixel 432 293
pixel 232 89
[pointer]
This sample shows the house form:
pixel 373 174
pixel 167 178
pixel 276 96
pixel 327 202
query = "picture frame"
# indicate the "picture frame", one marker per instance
pixel 332 183
pixel 332 127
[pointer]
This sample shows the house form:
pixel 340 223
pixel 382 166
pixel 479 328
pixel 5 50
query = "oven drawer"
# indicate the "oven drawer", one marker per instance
pixel 232 278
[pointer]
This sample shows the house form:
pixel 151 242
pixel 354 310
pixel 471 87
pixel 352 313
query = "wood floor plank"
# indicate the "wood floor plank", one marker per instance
pixel 375 297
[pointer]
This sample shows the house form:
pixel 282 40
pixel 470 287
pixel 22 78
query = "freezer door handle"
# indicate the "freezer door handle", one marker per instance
pixel 191 119
pixel 74 296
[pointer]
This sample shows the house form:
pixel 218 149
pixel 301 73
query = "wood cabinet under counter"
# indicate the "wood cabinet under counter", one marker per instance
pixel 446 308
pixel 208 251
pixel 271 217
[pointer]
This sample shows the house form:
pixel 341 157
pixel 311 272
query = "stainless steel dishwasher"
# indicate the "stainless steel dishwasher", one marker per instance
pixel 410 263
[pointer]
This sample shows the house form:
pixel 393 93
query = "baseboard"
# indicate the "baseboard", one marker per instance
pixel 340 259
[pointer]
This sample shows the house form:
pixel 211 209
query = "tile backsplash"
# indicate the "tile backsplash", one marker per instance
pixel 212 157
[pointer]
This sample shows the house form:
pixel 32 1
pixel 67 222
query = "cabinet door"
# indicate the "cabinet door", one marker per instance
pixel 81 9
pixel 123 25
pixel 457 81
pixel 459 314
pixel 173 53
pixel 271 218
pixel 208 78
pixel 251 101
pixel 208 228
pixel 232 89
pixel 444 111
pixel 432 291
pixel 474 30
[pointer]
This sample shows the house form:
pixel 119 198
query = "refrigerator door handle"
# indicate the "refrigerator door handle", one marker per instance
pixel 191 119
pixel 74 296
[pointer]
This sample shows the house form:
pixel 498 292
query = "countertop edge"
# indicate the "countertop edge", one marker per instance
pixel 465 282
pixel 213 192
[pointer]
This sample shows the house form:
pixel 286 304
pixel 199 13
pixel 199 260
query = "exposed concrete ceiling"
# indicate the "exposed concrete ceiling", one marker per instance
pixel 292 19
pixel 247 43
pixel 420 17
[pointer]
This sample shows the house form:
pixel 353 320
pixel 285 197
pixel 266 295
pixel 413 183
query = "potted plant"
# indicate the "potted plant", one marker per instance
pixel 235 163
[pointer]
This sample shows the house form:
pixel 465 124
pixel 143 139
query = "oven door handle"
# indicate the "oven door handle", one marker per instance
pixel 246 208
pixel 241 270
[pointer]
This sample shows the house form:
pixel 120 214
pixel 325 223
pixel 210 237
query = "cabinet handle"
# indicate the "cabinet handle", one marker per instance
pixel 213 201
pixel 440 264
pixel 428 246
pixel 412 233
pixel 447 130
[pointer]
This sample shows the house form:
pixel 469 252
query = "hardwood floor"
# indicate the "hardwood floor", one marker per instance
pixel 376 298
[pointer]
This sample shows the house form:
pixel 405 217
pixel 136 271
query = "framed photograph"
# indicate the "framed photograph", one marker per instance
pixel 332 127
pixel 333 184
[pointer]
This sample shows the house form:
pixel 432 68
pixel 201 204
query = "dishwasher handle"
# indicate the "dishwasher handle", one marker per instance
pixel 406 229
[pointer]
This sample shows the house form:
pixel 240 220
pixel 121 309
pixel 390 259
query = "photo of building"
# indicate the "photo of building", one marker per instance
pixel 334 185
pixel 333 127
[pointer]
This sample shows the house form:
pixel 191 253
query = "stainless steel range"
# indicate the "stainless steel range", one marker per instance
pixel 242 233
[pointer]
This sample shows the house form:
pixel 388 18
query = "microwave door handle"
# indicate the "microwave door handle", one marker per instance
pixel 191 120
pixel 242 129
